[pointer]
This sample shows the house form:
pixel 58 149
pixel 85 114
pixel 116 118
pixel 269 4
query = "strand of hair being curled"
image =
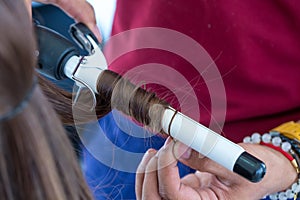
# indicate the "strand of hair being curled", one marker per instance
pixel 143 106
pixel 114 92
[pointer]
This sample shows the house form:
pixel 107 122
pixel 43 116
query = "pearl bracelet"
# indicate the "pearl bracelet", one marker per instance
pixel 273 139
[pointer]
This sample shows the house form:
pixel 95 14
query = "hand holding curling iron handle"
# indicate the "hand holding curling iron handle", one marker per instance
pixel 212 145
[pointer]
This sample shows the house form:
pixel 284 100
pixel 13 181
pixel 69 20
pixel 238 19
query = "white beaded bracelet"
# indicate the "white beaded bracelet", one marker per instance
pixel 274 139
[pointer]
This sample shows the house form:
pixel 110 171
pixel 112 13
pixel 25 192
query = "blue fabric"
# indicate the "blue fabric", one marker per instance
pixel 105 181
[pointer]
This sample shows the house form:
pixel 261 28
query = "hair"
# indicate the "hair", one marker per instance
pixel 119 93
pixel 36 159
pixel 114 92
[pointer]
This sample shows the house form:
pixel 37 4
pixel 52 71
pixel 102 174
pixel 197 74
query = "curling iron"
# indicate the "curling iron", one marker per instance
pixel 59 58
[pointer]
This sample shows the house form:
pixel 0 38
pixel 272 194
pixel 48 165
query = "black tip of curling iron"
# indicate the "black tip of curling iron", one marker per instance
pixel 250 167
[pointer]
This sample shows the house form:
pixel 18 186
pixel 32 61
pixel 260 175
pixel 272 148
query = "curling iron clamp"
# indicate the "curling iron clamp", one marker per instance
pixel 59 59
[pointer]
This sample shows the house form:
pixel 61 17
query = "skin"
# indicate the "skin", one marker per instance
pixel 80 10
pixel 158 178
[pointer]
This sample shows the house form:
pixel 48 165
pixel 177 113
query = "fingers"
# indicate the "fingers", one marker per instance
pixel 146 177
pixel 150 184
pixel 168 176
pixel 199 162
pixel 157 175
pixel 169 182
pixel 81 11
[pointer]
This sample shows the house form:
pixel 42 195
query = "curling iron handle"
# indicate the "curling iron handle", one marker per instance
pixel 54 51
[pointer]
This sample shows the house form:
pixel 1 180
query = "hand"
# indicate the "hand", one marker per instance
pixel 157 175
pixel 80 10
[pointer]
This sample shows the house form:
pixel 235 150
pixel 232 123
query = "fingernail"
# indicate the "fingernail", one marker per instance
pixel 150 151
pixel 169 139
pixel 182 151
